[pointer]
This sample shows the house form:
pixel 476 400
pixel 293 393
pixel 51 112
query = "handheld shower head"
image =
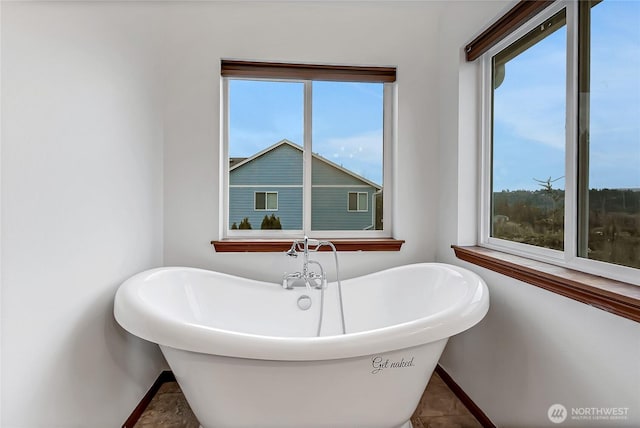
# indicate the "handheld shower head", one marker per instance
pixel 291 252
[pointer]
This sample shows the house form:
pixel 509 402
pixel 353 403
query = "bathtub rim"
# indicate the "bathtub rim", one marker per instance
pixel 156 327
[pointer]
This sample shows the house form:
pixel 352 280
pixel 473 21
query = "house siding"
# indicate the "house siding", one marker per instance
pixel 329 209
pixel 241 205
pixel 324 173
pixel 281 170
pixel 280 166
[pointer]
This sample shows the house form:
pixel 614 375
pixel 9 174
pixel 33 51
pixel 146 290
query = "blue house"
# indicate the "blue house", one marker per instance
pixel 270 182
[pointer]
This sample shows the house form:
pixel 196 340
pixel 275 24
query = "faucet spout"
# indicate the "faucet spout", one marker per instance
pixel 313 278
pixel 309 278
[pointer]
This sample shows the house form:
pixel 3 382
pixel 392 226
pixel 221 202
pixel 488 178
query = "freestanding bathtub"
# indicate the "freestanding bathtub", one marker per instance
pixel 246 355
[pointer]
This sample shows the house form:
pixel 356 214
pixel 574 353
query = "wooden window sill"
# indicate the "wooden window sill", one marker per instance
pixel 616 297
pixel 278 245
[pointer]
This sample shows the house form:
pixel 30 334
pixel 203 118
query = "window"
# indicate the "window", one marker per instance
pixel 609 132
pixel 528 142
pixel 309 134
pixel 266 201
pixel 358 202
pixel 561 168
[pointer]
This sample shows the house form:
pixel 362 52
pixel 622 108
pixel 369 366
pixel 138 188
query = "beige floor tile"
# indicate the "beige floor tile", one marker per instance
pixel 438 408
pixel 451 421
pixel 168 409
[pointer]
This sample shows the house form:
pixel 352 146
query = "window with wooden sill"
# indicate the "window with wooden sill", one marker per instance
pixel 617 297
pixel 560 175
pixel 315 138
pixel 279 245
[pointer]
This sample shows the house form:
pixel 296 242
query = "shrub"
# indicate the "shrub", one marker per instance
pixel 271 222
pixel 244 224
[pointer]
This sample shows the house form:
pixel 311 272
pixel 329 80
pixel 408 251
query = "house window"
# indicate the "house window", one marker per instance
pixel 266 201
pixel 561 169
pixel 310 134
pixel 358 202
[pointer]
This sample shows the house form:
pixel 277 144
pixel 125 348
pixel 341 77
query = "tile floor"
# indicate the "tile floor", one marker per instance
pixel 168 409
pixel 438 408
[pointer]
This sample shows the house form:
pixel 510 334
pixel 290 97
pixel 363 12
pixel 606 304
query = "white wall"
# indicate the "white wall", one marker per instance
pixel 81 209
pixel 1 133
pixel 198 35
pixel 534 348
pixel 110 153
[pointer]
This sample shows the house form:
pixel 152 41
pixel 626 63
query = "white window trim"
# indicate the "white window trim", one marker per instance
pixel 266 203
pixel 389 144
pixel 567 258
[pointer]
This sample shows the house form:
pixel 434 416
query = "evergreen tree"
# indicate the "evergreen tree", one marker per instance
pixel 271 222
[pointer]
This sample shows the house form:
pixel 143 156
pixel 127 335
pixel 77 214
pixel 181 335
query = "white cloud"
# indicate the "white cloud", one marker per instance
pixel 534 114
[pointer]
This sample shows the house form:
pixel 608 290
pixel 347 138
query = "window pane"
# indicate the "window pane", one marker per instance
pixel 353 201
pixel 347 153
pixel 362 201
pixel 265 150
pixel 528 137
pixel 272 201
pixel 610 133
pixel 260 201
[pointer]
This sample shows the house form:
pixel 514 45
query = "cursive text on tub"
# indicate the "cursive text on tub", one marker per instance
pixel 379 364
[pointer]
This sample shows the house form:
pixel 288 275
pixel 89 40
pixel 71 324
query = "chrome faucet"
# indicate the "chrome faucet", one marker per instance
pixel 308 277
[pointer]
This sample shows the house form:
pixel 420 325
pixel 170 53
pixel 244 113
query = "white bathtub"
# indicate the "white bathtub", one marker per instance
pixel 245 355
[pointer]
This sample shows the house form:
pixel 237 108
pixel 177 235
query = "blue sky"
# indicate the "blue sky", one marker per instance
pixel 528 126
pixel 346 123
pixel 615 95
pixel 529 135
pixel 529 129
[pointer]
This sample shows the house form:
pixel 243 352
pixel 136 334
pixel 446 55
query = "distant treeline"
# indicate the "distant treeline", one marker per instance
pixel 613 200
pixel 537 217
pixel 604 200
